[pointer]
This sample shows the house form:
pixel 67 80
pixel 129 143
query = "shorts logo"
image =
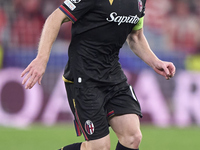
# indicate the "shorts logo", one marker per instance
pixel 75 1
pixel 89 127
pixel 140 5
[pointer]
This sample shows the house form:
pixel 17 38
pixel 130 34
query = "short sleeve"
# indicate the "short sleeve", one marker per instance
pixel 139 25
pixel 74 9
pixel 143 9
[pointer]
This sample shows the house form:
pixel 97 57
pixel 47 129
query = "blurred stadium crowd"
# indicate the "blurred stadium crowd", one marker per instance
pixel 174 25
pixel 21 22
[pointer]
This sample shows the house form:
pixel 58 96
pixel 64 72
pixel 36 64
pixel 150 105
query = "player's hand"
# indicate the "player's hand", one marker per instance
pixel 166 69
pixel 34 73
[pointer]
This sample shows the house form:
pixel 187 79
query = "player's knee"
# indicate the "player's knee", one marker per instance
pixel 131 139
pixel 137 137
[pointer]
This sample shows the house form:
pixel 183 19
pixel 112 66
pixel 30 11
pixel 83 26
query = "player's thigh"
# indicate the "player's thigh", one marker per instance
pixel 125 125
pixel 87 105
pixel 98 144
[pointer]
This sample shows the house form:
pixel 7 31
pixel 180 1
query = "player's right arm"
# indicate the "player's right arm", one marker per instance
pixel 36 69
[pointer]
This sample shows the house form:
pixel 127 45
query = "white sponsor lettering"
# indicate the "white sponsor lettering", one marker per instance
pixel 123 19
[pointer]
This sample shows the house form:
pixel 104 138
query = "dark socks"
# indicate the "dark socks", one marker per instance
pixel 121 147
pixel 76 146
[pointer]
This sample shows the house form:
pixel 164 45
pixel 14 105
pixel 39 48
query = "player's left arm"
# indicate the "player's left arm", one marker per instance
pixel 139 45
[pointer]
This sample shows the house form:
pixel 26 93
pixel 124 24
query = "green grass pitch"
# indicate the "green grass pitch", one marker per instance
pixel 39 137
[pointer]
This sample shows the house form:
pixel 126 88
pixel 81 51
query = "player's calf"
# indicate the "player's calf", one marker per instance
pixel 75 146
pixel 99 144
pixel 121 147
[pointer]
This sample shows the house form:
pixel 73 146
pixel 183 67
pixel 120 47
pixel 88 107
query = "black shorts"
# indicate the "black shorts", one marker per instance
pixel 92 107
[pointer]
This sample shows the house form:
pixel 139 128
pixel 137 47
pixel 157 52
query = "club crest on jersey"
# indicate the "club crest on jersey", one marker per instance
pixel 140 5
pixel 75 1
pixel 89 127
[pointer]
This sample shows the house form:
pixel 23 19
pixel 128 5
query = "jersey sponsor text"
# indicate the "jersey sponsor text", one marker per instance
pixel 123 19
